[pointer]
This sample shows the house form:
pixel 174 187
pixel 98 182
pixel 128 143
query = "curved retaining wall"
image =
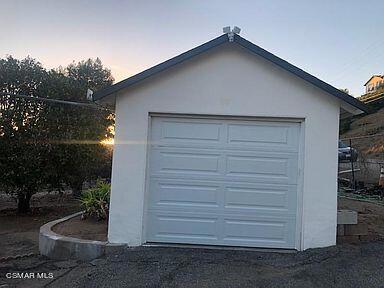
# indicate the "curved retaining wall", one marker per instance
pixel 61 247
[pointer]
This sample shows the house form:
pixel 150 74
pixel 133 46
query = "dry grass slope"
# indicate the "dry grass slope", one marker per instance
pixel 372 124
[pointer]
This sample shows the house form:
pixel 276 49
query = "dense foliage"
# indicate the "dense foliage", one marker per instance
pixel 95 201
pixel 44 144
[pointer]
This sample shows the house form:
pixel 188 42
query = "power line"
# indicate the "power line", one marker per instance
pixel 57 101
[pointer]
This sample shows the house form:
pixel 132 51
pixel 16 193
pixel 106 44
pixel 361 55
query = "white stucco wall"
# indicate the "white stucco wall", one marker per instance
pixel 226 81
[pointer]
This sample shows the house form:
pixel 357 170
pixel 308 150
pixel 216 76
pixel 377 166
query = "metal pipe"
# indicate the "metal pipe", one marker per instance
pixel 352 168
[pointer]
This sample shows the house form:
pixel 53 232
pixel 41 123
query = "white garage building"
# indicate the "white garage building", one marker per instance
pixel 226 144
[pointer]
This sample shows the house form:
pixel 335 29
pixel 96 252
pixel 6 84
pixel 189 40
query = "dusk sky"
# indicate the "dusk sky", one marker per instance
pixel 341 42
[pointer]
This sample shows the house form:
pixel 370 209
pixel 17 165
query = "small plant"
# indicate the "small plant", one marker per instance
pixel 95 201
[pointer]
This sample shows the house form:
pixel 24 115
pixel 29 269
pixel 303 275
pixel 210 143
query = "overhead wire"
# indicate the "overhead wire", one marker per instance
pixel 58 101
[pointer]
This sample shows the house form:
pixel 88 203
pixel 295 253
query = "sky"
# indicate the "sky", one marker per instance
pixel 340 42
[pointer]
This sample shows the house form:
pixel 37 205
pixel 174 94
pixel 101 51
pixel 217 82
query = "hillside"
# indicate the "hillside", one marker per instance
pixel 368 125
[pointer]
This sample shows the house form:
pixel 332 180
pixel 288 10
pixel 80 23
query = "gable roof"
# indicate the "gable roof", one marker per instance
pixel 373 76
pixel 244 43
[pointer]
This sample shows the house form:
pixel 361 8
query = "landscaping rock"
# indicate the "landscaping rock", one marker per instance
pixel 357 229
pixel 346 217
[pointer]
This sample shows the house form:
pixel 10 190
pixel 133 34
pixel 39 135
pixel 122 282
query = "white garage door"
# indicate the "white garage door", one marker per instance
pixel 223 182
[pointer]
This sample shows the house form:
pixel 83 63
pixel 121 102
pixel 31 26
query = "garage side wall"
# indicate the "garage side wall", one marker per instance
pixel 227 81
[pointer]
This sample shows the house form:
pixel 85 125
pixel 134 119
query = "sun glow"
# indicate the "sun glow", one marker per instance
pixel 109 141
pixel 109 136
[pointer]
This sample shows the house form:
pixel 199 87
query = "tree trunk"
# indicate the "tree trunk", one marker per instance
pixel 23 203
pixel 77 189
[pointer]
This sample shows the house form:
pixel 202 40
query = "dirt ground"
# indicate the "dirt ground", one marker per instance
pixel 89 229
pixel 19 234
pixel 343 265
pixel 369 213
pixel 39 200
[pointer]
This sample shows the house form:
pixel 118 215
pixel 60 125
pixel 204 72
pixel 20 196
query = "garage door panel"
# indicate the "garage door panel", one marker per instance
pixel 229 134
pixel 267 233
pixel 221 197
pixel 203 228
pixel 248 197
pixel 264 166
pixel 188 162
pixel 257 134
pixel 171 130
pixel 174 227
pixel 169 194
pixel 204 164
pixel 250 165
pixel 236 229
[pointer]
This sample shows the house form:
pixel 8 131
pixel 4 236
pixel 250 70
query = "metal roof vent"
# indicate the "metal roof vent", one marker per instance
pixel 231 33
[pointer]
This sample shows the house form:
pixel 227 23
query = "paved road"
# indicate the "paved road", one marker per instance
pixel 339 266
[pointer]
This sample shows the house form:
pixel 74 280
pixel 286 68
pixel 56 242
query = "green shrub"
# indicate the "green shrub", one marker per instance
pixel 95 201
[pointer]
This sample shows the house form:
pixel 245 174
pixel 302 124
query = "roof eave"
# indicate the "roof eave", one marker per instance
pixel 300 73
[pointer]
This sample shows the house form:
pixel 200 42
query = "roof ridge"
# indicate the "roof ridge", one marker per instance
pixel 244 43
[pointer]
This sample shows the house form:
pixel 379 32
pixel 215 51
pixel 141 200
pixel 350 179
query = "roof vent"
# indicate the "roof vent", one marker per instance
pixel 231 33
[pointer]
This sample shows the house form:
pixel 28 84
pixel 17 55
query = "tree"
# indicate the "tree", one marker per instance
pixel 21 145
pixel 76 153
pixel 47 144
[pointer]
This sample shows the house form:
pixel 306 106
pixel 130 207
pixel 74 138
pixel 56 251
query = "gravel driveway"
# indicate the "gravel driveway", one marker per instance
pixel 338 266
